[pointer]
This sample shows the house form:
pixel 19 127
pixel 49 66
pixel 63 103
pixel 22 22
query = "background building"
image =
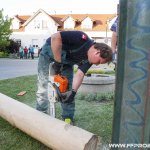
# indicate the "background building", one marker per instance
pixel 34 30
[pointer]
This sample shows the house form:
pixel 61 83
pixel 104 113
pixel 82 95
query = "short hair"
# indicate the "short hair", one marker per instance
pixel 105 51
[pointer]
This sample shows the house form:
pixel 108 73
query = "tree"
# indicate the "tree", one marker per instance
pixel 13 46
pixel 5 31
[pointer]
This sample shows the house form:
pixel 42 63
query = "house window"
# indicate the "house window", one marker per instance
pixel 18 41
pixel 44 24
pixel 86 26
pixel 37 24
pixel 35 46
pixel 68 26
pixel 35 42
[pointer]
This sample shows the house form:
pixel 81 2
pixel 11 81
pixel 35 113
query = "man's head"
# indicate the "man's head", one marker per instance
pixel 99 53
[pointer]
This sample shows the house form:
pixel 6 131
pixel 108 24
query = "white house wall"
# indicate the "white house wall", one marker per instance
pixel 69 23
pixel 87 22
pixel 27 39
pixel 15 23
pixel 37 37
pixel 100 36
pixel 51 25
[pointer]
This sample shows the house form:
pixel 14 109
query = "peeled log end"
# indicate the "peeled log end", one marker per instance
pixel 92 144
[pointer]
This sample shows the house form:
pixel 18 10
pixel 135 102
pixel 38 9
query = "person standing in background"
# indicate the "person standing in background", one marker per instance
pixel 39 50
pixel 21 52
pixel 29 54
pixel 114 35
pixel 32 52
pixel 114 38
pixel 25 52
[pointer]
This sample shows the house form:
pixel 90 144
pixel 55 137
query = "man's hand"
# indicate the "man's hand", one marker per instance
pixel 114 57
pixel 57 67
pixel 68 96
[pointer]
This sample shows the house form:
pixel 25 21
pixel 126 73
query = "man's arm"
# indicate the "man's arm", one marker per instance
pixel 114 42
pixel 68 96
pixel 56 45
pixel 77 80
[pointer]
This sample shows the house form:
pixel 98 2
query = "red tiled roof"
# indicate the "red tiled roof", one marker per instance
pixel 22 18
pixel 21 29
pixel 99 20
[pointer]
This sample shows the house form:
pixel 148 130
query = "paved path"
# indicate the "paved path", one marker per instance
pixel 11 68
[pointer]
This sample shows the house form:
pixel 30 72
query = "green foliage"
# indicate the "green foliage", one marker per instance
pixel 95 117
pixel 90 97
pixel 80 95
pixel 103 97
pixel 94 71
pixel 3 54
pixel 13 47
pixel 5 31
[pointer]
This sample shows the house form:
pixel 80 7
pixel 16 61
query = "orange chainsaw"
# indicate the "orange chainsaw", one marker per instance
pixel 57 84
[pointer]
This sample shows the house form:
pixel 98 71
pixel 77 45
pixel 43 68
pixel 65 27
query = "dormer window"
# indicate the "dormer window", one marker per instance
pixel 87 23
pixel 69 23
pixel 86 26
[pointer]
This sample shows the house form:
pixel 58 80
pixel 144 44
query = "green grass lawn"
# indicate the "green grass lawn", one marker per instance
pixel 93 116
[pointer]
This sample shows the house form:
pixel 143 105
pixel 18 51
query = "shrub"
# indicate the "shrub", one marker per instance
pixel 13 47
pixel 80 96
pixel 100 71
pixel 3 54
pixel 95 96
pixel 105 97
pixel 90 97
pixel 94 71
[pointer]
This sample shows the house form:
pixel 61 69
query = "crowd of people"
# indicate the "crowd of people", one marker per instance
pixel 26 53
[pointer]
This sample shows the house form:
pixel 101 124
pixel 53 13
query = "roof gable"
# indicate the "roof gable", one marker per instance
pixel 37 13
pixel 99 20
pixel 66 17
pixel 86 17
pixel 22 19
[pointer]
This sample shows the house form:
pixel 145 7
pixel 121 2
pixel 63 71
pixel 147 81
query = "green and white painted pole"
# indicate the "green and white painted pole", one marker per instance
pixel 131 123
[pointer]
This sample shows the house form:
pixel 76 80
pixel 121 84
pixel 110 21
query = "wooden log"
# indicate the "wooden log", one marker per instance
pixel 52 132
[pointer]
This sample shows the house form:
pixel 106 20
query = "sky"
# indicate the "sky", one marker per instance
pixel 28 7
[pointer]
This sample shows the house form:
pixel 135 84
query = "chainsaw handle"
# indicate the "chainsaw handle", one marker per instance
pixel 61 96
pixel 57 90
